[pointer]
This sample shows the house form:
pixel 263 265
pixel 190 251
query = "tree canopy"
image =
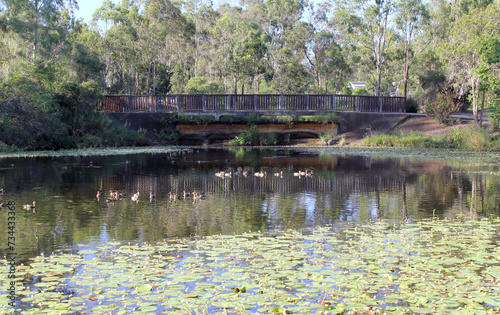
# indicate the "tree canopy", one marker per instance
pixel 142 47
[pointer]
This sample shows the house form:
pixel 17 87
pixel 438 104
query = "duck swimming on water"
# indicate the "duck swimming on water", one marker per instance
pixel 30 207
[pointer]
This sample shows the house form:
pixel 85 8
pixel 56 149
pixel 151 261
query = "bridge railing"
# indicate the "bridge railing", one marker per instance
pixel 251 103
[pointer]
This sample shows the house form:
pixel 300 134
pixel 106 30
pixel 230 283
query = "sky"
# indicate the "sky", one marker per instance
pixel 87 8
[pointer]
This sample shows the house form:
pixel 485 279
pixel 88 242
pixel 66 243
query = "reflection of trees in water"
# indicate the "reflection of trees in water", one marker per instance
pixel 342 188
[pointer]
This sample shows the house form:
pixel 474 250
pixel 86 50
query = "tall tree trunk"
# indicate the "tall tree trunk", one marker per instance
pixel 35 41
pixel 482 109
pixel 147 78
pixel 235 84
pixel 154 76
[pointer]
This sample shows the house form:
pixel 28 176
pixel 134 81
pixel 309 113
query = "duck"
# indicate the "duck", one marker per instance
pixel 135 197
pixel 280 174
pixel 197 196
pixel 30 207
pixel 220 174
pixel 172 197
pixel 260 174
pixel 5 205
pixel 98 195
pixel 185 194
pixel 245 173
pixel 151 196
pixel 2 191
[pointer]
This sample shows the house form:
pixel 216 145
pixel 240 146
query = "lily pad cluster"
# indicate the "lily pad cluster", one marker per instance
pixel 430 267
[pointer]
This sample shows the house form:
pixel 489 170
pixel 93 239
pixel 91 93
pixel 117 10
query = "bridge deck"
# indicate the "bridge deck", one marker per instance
pixel 251 104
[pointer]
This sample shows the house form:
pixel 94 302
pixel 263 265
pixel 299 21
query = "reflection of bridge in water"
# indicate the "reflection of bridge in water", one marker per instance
pixel 336 183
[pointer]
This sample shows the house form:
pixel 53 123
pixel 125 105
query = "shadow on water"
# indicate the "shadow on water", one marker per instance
pixel 215 191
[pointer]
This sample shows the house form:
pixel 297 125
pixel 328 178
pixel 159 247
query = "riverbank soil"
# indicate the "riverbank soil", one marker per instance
pixel 355 127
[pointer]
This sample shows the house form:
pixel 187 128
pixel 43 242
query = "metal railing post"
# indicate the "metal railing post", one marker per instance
pixel 203 102
pixel 178 104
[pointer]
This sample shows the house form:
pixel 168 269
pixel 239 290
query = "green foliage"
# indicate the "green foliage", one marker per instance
pixel 346 90
pixel 169 133
pixel 359 91
pixel 413 141
pixel 252 137
pixel 471 138
pixel 248 137
pixel 200 85
pixel 323 119
pixel 268 139
pixel 495 118
pixel 443 107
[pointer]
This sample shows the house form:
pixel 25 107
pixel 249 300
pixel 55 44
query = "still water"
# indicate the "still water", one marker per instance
pixel 229 191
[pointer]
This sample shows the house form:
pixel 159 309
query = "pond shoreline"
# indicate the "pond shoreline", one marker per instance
pixel 492 157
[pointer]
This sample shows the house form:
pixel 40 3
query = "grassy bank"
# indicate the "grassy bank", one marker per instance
pixel 470 138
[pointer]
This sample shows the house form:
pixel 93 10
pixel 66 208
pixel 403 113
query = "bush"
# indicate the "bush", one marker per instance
pixel 268 139
pixel 411 105
pixel 443 107
pixel 249 137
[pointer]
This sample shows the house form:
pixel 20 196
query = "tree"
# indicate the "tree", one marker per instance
pixel 367 22
pixel 411 17
pixel 489 74
pixel 36 20
pixel 462 51
pixel 326 60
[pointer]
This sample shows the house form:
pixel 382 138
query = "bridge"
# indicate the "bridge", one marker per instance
pixel 252 104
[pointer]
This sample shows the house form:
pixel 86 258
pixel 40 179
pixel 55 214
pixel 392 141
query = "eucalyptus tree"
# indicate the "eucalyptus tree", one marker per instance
pixel 411 18
pixel 38 21
pixel 489 74
pixel 250 51
pixel 462 51
pixel 223 43
pixel 164 35
pixel 367 24
pixel 120 45
pixel 326 60
pixel 281 19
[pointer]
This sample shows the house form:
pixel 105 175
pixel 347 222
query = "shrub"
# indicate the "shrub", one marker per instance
pixel 411 105
pixel 495 119
pixel 268 139
pixel 443 107
pixel 249 137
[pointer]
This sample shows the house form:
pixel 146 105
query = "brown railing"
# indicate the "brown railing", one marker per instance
pixel 265 104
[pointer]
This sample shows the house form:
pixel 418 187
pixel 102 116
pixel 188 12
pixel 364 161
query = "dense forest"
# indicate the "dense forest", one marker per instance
pixel 53 67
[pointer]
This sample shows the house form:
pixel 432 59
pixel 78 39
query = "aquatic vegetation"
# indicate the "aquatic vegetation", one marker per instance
pixel 434 266
pixel 95 151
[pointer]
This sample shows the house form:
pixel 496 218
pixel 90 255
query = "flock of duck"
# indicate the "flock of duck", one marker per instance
pixel 195 196
pixel 263 174
pixel 116 196
pixel 27 207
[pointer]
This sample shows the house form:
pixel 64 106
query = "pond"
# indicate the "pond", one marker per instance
pixel 208 194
